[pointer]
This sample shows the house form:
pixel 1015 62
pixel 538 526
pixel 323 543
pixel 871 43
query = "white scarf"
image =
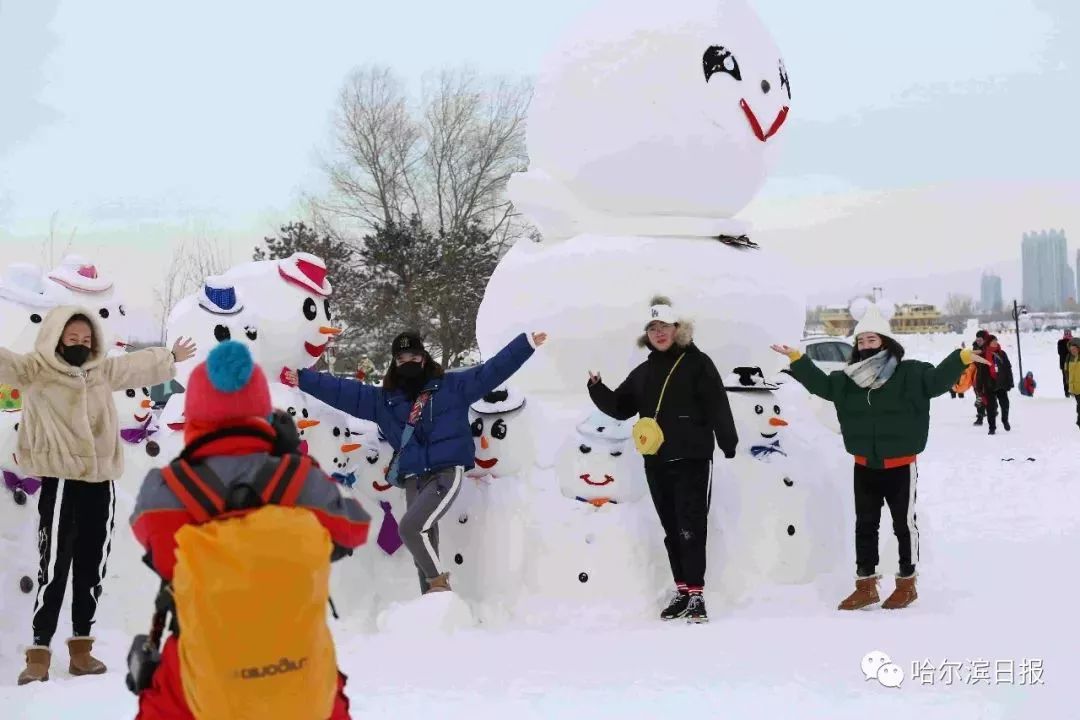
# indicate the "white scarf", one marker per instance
pixel 874 371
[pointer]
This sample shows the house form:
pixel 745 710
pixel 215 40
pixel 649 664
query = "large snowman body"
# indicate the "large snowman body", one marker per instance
pixel 18 537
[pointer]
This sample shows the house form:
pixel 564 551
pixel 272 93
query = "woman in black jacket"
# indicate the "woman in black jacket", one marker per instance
pixel 694 411
pixel 993 383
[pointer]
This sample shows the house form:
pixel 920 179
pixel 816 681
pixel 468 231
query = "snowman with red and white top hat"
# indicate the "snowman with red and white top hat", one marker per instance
pixel 77 281
pixel 291 296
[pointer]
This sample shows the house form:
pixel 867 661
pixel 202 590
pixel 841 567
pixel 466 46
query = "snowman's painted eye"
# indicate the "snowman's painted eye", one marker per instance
pixel 123 312
pixel 326 308
pixel 252 333
pixel 776 409
pixel 222 333
pixel 585 449
pixel 498 430
pixel 372 459
pixel 104 313
pixel 477 428
pixel 758 409
pixel 130 393
pixel 304 412
pixel 337 432
pixel 718 59
pixel 146 392
pixel 784 82
pixel 616 453
pixel 310 309
pixel 35 318
pixel 291 411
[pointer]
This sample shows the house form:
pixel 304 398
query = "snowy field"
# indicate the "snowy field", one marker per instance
pixel 996 589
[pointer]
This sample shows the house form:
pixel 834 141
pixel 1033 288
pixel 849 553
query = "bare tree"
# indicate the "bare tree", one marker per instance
pixel 446 162
pixel 193 260
pixel 959 305
pixel 49 255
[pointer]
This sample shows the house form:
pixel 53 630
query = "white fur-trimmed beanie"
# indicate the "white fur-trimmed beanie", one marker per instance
pixel 872 317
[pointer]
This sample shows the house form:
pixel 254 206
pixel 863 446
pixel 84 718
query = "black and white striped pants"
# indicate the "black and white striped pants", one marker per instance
pixel 75 527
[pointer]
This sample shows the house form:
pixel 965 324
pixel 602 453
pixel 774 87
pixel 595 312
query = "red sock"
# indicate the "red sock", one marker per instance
pixel 695 589
pixel 681 587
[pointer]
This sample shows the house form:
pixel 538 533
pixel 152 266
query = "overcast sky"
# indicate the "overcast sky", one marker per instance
pixel 120 114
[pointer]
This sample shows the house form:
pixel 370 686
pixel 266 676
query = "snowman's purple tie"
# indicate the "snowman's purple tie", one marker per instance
pixel 28 485
pixel 389 539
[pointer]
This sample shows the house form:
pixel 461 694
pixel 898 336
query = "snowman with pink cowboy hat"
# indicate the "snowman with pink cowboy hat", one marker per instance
pixel 76 281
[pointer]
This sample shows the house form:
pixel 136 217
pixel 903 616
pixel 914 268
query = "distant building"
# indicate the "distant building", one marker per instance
pixel 1044 269
pixel 990 294
pixel 1077 295
pixel 1068 285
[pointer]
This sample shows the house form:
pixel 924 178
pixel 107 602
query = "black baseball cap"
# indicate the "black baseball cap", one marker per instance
pixel 407 342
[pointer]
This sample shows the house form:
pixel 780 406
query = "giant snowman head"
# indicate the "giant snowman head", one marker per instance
pixel 23 306
pixel 76 281
pixel 295 403
pixel 599 464
pixel 331 442
pixel 501 434
pixel 290 299
pixel 212 315
pixel 650 109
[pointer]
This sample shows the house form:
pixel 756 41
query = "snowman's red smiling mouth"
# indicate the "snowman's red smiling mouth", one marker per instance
pixel 756 126
pixel 607 480
pixel 380 487
pixel 486 464
pixel 315 350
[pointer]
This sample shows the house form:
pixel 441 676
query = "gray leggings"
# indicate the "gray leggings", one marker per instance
pixel 427 498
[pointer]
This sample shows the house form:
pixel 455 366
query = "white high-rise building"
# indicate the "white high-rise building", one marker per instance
pixel 1044 269
pixel 990 294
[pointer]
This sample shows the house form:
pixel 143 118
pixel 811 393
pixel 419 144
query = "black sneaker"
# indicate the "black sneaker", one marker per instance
pixel 677 608
pixel 1005 424
pixel 695 610
pixel 977 422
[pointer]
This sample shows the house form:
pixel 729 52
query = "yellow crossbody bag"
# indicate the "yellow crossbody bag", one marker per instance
pixel 648 437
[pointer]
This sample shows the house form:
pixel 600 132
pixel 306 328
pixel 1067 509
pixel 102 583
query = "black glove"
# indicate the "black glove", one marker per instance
pixel 287 436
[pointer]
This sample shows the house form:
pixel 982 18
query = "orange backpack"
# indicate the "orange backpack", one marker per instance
pixel 251 589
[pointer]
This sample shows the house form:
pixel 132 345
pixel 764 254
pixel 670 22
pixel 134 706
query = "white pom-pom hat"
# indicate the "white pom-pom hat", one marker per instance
pixel 872 317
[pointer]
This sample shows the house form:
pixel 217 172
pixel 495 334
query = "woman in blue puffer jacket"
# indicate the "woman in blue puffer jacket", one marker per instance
pixel 424 414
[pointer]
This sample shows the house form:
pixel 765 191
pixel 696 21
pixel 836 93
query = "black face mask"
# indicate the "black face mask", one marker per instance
pixel 410 372
pixel 75 355
pixel 869 352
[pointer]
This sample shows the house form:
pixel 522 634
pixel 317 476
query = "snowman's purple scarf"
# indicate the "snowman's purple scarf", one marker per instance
pixel 28 485
pixel 137 435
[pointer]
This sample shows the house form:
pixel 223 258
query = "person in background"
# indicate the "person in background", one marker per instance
pixel 993 382
pixel 695 417
pixel 1027 385
pixel 1072 368
pixel 69 437
pixel 1063 357
pixel 976 347
pixel 883 405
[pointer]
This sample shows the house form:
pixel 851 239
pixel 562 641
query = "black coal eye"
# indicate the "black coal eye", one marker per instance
pixel 477 428
pixel 776 409
pixel 498 430
pixel 130 393
pixel 616 453
pixel 221 333
pixel 310 309
pixel 348 432
pixel 720 60
pixel 252 333
pixel 291 411
pixel 123 312
pixel 373 459
pixel 146 392
pixel 585 449
pixel 758 409
pixel 304 412
pixel 784 82
pixel 337 432
pixel 35 318
pixel 104 313
pixel 326 308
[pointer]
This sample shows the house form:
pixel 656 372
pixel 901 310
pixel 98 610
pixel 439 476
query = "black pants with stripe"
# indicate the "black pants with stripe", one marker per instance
pixel 75 527
pixel 895 486
pixel 681 491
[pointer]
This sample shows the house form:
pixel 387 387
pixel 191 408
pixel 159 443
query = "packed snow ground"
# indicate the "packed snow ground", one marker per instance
pixel 995 586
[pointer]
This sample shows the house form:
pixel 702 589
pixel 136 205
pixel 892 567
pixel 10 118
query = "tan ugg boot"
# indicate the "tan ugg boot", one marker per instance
pixel 865 595
pixel 903 595
pixel 37 665
pixel 439 583
pixel 82 662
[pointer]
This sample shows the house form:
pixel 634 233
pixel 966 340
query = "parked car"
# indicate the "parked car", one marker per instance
pixel 827 352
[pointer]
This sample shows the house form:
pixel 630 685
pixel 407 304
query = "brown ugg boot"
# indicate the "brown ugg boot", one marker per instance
pixel 903 595
pixel 439 583
pixel 82 662
pixel 865 595
pixel 37 665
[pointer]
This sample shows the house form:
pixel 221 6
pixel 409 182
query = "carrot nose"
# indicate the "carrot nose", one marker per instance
pixel 350 447
pixel 330 330
pixel 305 424
pixel 483 442
pixel 777 422
pixel 146 404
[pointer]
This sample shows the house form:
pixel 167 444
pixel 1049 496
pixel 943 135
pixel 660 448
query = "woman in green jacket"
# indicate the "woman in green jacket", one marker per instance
pixel 883 404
